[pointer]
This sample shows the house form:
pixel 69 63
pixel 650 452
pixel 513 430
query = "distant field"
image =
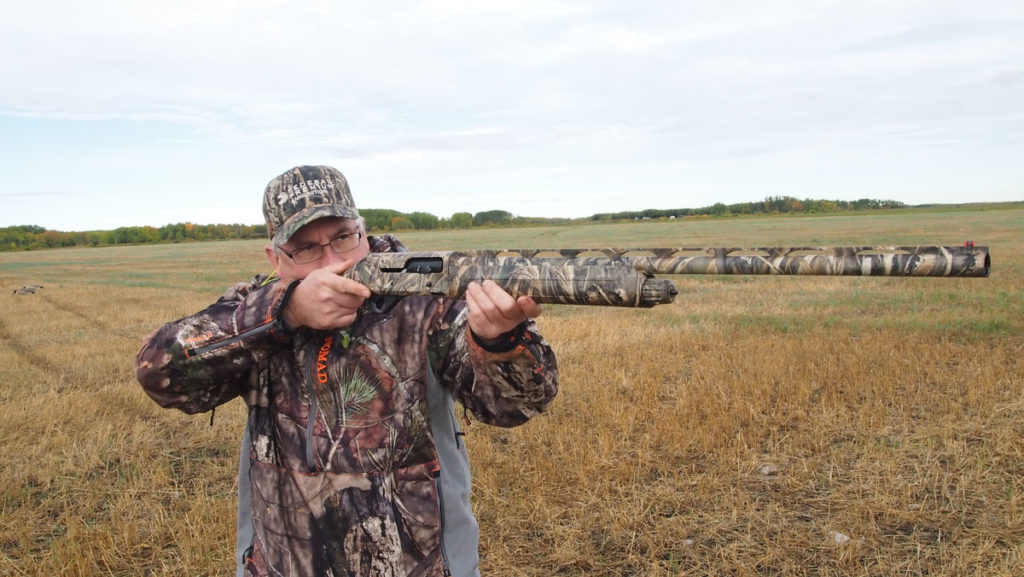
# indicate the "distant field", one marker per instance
pixel 758 426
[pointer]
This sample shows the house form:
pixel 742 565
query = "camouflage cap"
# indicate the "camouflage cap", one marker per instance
pixel 303 194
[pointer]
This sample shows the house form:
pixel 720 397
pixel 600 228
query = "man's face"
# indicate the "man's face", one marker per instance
pixel 318 233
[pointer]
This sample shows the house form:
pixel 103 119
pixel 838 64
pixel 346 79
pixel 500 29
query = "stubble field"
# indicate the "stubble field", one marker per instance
pixel 758 426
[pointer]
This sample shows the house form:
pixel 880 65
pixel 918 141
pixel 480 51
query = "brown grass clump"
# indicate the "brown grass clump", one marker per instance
pixel 758 426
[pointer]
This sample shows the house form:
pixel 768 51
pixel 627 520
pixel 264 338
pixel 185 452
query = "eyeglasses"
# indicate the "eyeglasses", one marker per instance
pixel 340 245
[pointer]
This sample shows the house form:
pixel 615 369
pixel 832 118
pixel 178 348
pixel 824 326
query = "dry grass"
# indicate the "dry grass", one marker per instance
pixel 736 432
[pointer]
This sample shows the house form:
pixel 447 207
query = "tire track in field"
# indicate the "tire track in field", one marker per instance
pixel 77 312
pixel 25 352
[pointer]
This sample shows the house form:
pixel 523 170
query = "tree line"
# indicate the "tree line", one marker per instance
pixel 385 220
pixel 770 205
pixel 31 237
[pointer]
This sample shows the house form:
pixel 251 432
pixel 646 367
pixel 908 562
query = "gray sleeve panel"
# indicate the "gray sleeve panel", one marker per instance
pixel 460 533
pixel 244 528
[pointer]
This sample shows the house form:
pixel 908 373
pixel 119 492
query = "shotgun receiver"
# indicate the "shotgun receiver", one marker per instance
pixel 625 277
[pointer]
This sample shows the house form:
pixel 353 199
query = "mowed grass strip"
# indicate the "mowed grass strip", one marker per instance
pixel 758 426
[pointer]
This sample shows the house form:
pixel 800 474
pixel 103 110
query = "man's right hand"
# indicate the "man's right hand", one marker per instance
pixel 325 299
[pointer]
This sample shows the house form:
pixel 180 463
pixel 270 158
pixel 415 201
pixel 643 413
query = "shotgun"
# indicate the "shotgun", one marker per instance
pixel 625 277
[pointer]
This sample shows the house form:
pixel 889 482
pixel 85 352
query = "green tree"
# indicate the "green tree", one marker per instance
pixel 491 217
pixel 423 220
pixel 400 223
pixel 462 220
pixel 378 218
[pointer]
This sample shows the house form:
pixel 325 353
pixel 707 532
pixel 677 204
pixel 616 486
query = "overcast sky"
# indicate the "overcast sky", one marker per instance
pixel 124 113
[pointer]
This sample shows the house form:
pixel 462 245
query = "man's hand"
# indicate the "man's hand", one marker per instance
pixel 325 299
pixel 493 312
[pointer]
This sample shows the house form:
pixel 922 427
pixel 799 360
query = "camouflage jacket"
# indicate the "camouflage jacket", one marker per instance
pixel 344 470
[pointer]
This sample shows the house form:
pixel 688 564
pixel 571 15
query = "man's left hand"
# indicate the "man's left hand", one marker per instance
pixel 493 312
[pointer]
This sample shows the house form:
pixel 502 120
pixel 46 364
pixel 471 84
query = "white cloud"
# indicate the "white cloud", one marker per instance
pixel 555 107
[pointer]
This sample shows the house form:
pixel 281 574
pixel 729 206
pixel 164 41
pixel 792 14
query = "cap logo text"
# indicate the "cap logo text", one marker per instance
pixel 317 187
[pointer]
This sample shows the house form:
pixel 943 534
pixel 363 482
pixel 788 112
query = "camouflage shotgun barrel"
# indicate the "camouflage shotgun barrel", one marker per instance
pixel 625 277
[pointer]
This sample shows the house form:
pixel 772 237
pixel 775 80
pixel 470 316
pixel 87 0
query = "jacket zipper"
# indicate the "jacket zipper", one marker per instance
pixel 314 407
pixel 440 515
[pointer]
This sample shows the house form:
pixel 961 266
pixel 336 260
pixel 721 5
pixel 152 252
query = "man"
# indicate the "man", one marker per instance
pixel 355 461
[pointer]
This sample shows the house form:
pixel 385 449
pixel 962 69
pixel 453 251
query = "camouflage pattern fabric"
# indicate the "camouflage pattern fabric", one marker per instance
pixel 344 472
pixel 624 277
pixel 546 280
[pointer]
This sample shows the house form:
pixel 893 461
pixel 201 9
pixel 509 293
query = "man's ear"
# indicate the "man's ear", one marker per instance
pixel 272 256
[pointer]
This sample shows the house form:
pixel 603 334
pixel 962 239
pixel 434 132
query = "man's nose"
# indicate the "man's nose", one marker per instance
pixel 330 257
